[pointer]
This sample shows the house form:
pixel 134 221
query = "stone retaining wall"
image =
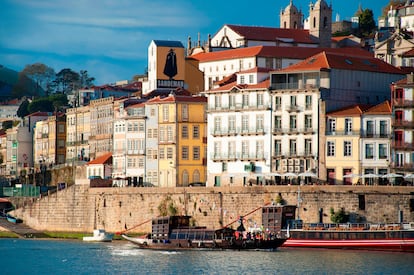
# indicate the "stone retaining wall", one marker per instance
pixel 80 208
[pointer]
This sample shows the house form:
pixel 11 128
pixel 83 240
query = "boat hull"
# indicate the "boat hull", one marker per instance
pixel 99 235
pixel 397 240
pixel 206 244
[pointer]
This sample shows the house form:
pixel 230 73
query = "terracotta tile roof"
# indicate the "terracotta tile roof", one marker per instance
pixel 353 110
pixel 178 99
pixel 226 80
pixel 102 159
pixel 272 34
pixel 256 70
pixel 275 51
pixel 383 108
pixel 329 60
pixel 262 85
pixel 409 53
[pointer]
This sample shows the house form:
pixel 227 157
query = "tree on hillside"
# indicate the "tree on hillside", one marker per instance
pixel 366 23
pixel 23 109
pixel 67 80
pixel 394 4
pixel 85 81
pixel 51 103
pixel 41 74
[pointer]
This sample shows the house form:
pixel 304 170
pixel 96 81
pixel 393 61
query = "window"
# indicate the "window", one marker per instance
pixel 278 103
pixel 245 100
pixel 169 153
pixel 196 131
pixel 370 128
pixel 251 78
pixel 196 153
pixel 383 128
pixel 184 131
pixel 185 112
pixel 278 147
pixel 292 147
pixel 259 122
pixel 308 147
pixel 165 112
pixel 61 128
pixel 196 176
pixel 330 149
pixel 308 102
pixel 382 151
pixel 232 101
pixel 347 149
pixel 245 123
pixel 232 124
pixel 308 121
pixel 232 149
pixel 217 149
pixel 184 153
pixel 217 101
pixel 331 124
pixel 259 149
pixel 278 122
pixel 369 151
pixel 245 148
pixel 259 100
pixel 242 79
pixel 217 124
pixel 292 100
pixel 348 125
pixel 170 133
pixel 292 122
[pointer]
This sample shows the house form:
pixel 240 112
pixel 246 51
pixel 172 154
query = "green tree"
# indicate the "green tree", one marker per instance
pixel 67 80
pixel 41 75
pixel 85 81
pixel 7 124
pixel 366 23
pixel 25 87
pixel 23 109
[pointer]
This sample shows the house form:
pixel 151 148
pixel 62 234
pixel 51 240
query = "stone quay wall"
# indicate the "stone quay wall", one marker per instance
pixel 80 208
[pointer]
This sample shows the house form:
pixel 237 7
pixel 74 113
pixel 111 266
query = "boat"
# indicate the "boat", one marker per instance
pixel 398 237
pixel 175 233
pixel 13 219
pixel 99 235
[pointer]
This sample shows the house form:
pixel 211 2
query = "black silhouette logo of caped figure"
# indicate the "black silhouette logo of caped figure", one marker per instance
pixel 170 68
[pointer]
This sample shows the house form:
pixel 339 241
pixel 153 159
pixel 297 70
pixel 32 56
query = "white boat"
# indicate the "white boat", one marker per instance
pixel 99 235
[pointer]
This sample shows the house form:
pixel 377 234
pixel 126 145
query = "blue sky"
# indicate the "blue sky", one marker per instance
pixel 109 38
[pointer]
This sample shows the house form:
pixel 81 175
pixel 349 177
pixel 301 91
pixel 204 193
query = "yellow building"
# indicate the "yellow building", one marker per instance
pixel 182 140
pixel 342 145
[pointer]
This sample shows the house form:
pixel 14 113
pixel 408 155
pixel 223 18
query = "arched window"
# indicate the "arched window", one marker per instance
pixel 196 176
pixel 185 178
pixel 295 25
pixel 325 22
pixel 314 22
pixel 284 24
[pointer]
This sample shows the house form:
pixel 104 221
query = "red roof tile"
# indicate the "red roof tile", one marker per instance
pixel 102 159
pixel 353 110
pixel 329 60
pixel 272 34
pixel 262 85
pixel 383 108
pixel 275 51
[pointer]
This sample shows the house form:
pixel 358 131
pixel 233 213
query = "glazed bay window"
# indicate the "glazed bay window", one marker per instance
pixel 330 148
pixel 369 151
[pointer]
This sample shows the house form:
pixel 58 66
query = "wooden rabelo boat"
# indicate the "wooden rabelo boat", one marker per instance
pixel 175 232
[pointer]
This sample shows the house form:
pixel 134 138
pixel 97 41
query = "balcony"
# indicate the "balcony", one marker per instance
pixel 238 107
pixel 376 135
pixel 293 86
pixel 293 108
pixel 403 103
pixel 403 167
pixel 342 133
pixel 223 132
pixel 406 124
pixel 402 146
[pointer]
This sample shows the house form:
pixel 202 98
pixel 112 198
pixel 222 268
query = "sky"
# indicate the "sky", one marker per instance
pixel 110 38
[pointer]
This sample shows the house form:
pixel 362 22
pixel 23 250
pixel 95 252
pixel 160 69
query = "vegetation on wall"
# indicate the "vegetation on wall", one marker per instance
pixel 167 207
pixel 340 216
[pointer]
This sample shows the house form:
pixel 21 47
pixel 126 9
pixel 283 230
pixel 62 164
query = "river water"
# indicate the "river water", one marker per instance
pixel 30 256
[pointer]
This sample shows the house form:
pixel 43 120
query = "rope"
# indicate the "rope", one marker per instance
pixel 135 226
pixel 251 212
